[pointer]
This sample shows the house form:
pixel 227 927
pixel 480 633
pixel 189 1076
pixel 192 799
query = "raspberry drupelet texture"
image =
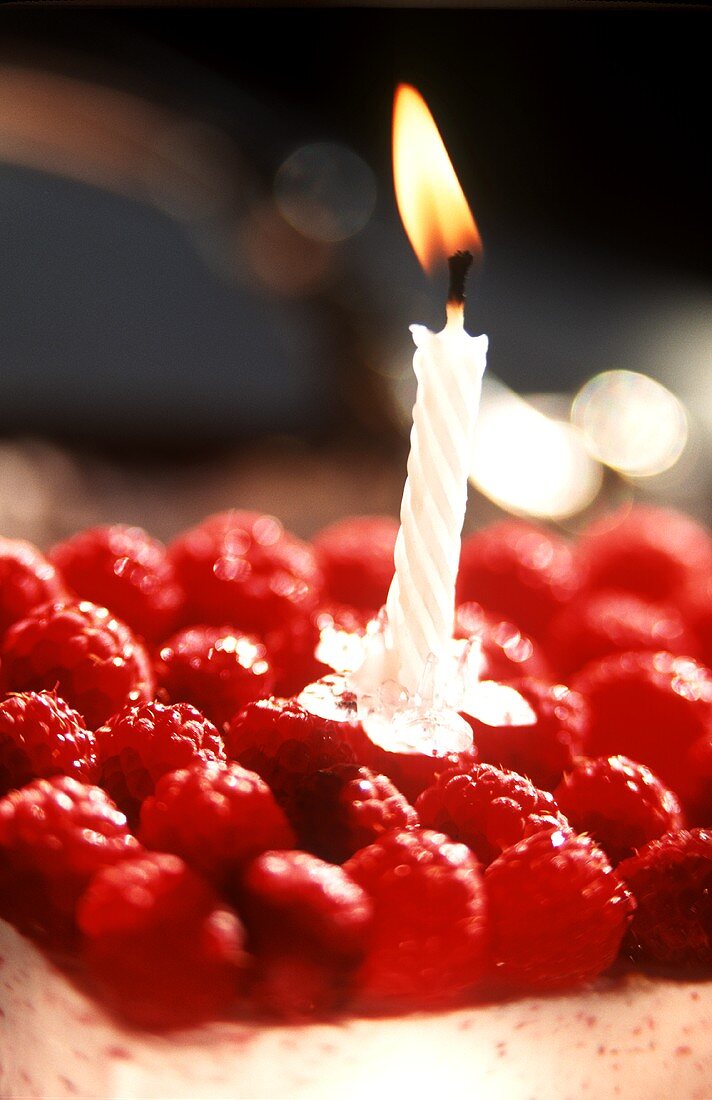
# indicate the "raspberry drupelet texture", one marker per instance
pixel 653 552
pixel 671 880
pixel 125 569
pixel 159 942
pixel 217 669
pixel 308 925
pixel 341 809
pixel 27 579
pixel 557 911
pixel 619 803
pixel 215 816
pixel 507 653
pixel 92 659
pixel 356 558
pixel 142 743
pixel 518 571
pixel 649 707
pixel 429 936
pixel 40 736
pixel 54 835
pixel 488 809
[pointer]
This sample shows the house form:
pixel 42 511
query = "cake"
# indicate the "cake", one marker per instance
pixel 197 905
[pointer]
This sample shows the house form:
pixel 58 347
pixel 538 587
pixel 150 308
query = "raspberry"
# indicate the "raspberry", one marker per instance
pixel 344 808
pixel 650 551
pixel 41 736
pixel 285 744
pixel 27 580
pixel 541 751
pixel 217 669
pixel 308 924
pixel 428 941
pixel 216 817
pixel 507 652
pixel 54 835
pixel 487 808
pixel 695 602
pixel 90 658
pixel 356 558
pixel 695 787
pixel 598 623
pixel 557 911
pixel 141 743
pixel 163 947
pixel 518 571
pixel 648 706
pixel 244 568
pixel 621 804
pixel 671 879
pixel 291 649
pixel 126 570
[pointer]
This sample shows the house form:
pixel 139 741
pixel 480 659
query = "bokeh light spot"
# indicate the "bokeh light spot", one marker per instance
pixel 325 191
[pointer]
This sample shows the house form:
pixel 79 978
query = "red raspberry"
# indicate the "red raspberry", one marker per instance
pixel 41 736
pixel 621 804
pixel 507 652
pixel 695 602
pixel 341 809
pixel 308 924
pixel 518 571
pixel 291 649
pixel 695 787
pixel 54 835
pixel 141 743
pixel 27 580
pixel 126 570
pixel 90 658
pixel 356 557
pixel 648 706
pixel 598 623
pixel 541 751
pixel 285 744
pixel 487 808
pixel 244 568
pixel 428 941
pixel 557 911
pixel 163 947
pixel 216 817
pixel 671 879
pixel 650 551
pixel 217 669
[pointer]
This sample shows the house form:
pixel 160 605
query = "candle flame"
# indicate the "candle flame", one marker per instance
pixel 430 200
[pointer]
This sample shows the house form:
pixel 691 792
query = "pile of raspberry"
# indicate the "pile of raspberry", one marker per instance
pixel 173 814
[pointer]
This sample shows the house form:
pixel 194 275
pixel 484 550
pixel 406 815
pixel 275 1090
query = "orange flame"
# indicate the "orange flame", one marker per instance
pixel 430 200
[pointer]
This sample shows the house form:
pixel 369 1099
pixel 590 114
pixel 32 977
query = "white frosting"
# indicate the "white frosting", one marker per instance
pixel 638 1039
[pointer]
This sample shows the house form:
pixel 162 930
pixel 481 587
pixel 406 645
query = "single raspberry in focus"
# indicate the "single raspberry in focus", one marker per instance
pixel 601 622
pixel 286 744
pixel 54 835
pixel 653 552
pixel 429 937
pixel 544 746
pixel 164 949
pixel 557 911
pixel 647 706
pixel 40 736
pixel 27 579
pixel 216 817
pixel 244 568
pixel 217 669
pixel 356 558
pixel 619 803
pixel 507 653
pixel 487 808
pixel 519 572
pixel 341 809
pixel 125 569
pixel 141 743
pixel 671 880
pixel 308 926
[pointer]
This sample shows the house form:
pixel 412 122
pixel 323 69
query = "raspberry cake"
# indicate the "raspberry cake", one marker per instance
pixel 209 889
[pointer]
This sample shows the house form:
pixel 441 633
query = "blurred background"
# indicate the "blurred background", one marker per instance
pixel 205 288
